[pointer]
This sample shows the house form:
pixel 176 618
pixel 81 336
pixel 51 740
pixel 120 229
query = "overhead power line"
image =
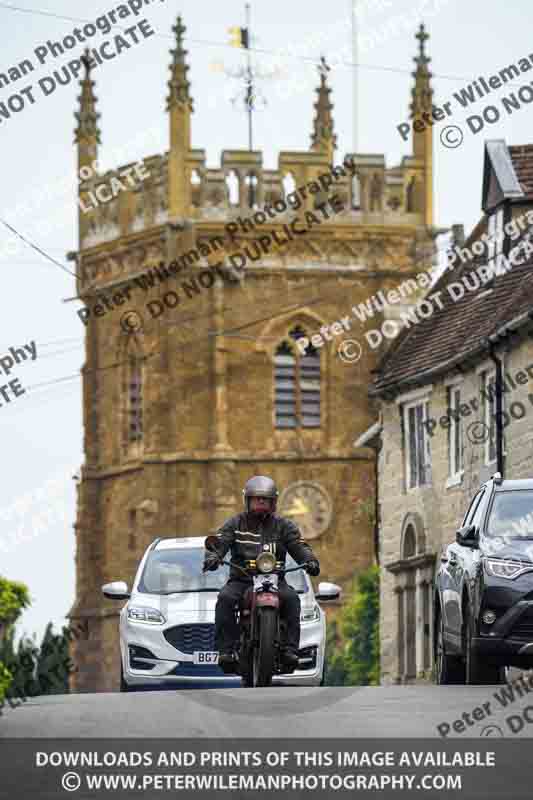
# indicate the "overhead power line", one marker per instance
pixel 38 249
pixel 260 50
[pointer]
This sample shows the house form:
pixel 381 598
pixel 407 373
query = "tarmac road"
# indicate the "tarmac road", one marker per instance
pixel 375 712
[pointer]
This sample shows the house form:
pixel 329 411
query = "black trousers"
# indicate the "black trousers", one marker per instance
pixel 226 629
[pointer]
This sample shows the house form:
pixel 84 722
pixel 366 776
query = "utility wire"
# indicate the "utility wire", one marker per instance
pixel 38 249
pixel 230 332
pixel 261 50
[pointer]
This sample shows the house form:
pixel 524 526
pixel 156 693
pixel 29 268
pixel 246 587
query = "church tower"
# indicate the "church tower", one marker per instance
pixel 196 376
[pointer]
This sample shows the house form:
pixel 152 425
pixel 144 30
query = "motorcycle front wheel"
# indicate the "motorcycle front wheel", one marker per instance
pixel 264 655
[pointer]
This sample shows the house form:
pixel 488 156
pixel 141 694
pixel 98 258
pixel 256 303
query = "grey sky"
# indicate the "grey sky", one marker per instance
pixel 41 432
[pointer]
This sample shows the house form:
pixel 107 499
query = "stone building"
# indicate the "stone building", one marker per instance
pixel 436 393
pixel 197 383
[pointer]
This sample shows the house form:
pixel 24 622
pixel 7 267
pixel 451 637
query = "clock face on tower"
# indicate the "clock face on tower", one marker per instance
pixel 308 505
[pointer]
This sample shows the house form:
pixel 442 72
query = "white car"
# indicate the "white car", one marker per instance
pixel 167 627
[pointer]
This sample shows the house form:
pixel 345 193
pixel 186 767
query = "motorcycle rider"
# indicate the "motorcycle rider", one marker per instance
pixel 247 534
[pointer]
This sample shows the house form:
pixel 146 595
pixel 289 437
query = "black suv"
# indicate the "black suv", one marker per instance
pixel 484 588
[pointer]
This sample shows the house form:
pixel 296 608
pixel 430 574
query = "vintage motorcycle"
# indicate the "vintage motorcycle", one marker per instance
pixel 262 631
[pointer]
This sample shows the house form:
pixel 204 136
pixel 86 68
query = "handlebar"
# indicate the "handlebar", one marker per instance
pixel 279 571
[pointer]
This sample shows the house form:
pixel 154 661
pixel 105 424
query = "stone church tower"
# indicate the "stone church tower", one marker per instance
pixel 192 386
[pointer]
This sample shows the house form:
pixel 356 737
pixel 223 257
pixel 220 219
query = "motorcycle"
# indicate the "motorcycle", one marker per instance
pixel 262 631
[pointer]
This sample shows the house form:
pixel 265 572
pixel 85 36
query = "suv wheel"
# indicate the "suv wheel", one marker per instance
pixel 476 671
pixel 448 669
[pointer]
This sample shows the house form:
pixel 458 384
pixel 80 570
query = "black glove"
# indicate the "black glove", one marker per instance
pixel 211 562
pixel 312 568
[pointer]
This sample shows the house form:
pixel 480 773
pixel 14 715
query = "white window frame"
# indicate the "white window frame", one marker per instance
pixel 424 403
pixel 455 430
pixel 489 413
pixel 496 240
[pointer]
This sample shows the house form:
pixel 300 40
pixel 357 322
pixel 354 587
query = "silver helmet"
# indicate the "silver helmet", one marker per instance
pixel 260 486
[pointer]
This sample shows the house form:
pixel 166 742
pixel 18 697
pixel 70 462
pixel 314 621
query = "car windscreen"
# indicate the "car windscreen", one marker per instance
pixel 180 570
pixel 296 579
pixel 511 515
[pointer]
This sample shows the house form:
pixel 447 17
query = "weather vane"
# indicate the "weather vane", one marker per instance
pixel 248 96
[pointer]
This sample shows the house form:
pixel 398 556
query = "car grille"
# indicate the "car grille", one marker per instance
pixel 523 629
pixel 189 638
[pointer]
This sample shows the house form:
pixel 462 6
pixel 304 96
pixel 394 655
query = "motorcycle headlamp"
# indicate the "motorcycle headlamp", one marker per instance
pixel 266 562
pixel 506 569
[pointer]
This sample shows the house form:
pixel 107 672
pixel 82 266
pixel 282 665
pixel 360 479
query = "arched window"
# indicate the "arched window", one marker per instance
pixel 285 386
pixel 410 196
pixel 251 189
pixel 297 384
pixel 232 184
pixel 196 187
pixel 289 184
pixel 414 581
pixel 134 401
pixel 356 192
pixel 409 542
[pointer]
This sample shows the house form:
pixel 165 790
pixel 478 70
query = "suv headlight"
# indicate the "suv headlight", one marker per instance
pixel 506 569
pixel 310 614
pixel 142 614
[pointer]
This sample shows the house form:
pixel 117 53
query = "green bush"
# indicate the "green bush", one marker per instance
pixel 5 681
pixel 14 598
pixel 356 661
pixel 37 670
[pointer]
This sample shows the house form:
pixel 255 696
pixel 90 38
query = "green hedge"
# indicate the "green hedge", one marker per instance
pixel 356 662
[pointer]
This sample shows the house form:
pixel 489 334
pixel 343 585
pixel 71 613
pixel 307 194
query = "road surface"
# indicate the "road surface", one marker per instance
pixel 375 712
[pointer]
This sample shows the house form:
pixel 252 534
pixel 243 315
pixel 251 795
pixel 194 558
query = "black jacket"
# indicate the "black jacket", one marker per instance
pixel 246 540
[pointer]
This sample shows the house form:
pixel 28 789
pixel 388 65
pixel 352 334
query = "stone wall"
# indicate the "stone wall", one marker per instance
pixel 437 510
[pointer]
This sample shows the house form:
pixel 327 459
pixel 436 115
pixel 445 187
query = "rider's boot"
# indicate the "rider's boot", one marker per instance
pixel 228 661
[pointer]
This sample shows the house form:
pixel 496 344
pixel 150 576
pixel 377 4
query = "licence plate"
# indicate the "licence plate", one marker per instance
pixel 205 657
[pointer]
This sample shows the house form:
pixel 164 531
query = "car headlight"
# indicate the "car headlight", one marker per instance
pixel 506 569
pixel 142 614
pixel 310 614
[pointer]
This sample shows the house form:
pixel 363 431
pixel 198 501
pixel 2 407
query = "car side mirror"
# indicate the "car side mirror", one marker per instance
pixel 211 543
pixel 117 590
pixel 327 591
pixel 467 537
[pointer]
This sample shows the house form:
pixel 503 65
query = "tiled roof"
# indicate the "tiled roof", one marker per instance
pixel 458 329
pixel 522 158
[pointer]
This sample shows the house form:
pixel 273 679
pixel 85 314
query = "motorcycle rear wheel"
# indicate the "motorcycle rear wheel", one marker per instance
pixel 264 653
